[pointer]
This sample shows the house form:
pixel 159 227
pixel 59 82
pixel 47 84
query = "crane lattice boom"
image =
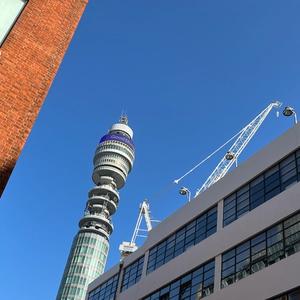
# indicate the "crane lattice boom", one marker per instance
pixel 128 247
pixel 144 211
pixel 236 149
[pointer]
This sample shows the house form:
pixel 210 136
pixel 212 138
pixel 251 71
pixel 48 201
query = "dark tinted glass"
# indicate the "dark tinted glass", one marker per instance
pixel 132 273
pixel 106 291
pixel 264 249
pixel 193 285
pixel 293 295
pixel 262 188
pixel 184 238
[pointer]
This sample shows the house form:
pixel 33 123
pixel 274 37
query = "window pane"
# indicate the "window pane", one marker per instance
pixel 267 248
pixel 243 247
pixel 9 11
pixel 184 238
pixel 294 296
pixel 132 273
pixel 287 161
pixel 194 285
pixel 243 189
pixel 229 220
pixel 262 188
pixel 229 254
pixel 271 185
pixel 107 289
pixel 229 213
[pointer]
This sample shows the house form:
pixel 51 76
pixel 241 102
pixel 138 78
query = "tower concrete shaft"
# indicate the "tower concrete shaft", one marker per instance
pixel 113 161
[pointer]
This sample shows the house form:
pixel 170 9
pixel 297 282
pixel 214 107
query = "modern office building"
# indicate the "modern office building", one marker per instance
pixel 113 161
pixel 238 240
pixel 34 36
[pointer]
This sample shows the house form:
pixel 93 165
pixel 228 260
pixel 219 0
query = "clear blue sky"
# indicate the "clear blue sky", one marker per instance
pixel 189 74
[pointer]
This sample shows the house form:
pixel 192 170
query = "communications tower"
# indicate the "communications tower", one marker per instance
pixel 113 161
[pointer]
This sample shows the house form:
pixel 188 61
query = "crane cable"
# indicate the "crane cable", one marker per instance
pixel 176 181
pixel 168 186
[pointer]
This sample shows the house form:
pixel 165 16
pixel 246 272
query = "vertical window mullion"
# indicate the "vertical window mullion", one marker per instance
pixel 206 220
pixel 283 241
pixel 297 169
pixel 271 193
pixel 235 208
pixel 264 179
pixel 266 249
pixel 250 258
pixel 235 265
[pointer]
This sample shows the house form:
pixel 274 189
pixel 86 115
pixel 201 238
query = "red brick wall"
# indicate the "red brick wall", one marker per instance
pixel 29 59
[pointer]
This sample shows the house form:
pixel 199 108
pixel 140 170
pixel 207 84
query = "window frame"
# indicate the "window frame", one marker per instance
pixel 260 189
pixel 132 273
pixel 107 288
pixel 188 235
pixel 259 247
pixel 192 282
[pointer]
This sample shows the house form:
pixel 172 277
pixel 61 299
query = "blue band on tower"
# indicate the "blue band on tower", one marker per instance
pixel 117 137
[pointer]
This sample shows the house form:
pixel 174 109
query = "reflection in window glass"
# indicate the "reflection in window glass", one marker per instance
pixel 264 249
pixel 293 295
pixel 197 284
pixel 191 234
pixel 132 273
pixel 262 188
pixel 106 290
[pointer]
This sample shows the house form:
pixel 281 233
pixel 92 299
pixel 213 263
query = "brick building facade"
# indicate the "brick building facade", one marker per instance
pixel 29 59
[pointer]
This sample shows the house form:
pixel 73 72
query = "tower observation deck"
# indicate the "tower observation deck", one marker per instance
pixel 113 161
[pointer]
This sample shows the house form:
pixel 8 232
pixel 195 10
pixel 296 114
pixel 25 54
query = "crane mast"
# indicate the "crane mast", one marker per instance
pixel 236 149
pixel 128 247
pixel 144 212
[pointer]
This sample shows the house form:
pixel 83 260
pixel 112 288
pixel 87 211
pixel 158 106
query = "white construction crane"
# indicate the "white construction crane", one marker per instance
pixel 128 247
pixel 245 135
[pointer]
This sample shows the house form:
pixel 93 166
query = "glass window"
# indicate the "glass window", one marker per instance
pixel 262 188
pixel 293 295
pixel 9 12
pixel 264 249
pixel 132 273
pixel 194 285
pixel 184 238
pixel 106 290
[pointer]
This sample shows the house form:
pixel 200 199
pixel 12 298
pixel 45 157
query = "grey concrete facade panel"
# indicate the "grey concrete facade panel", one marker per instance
pixel 256 164
pixel 269 282
pixel 255 221
pixel 262 217
pixel 105 276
